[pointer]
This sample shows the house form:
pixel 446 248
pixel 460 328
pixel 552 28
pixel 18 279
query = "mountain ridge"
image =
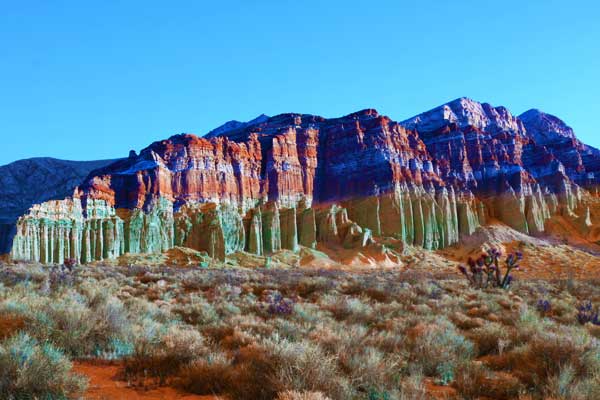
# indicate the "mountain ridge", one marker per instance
pixel 297 179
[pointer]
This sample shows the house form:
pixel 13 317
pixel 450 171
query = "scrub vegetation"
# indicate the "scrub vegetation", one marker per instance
pixel 298 334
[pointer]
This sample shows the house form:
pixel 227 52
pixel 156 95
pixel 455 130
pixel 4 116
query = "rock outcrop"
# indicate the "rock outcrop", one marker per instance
pixel 24 183
pixel 581 162
pixel 510 164
pixel 299 180
pixel 61 229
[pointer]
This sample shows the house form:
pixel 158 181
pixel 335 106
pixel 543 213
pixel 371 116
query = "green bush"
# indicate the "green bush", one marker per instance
pixel 29 369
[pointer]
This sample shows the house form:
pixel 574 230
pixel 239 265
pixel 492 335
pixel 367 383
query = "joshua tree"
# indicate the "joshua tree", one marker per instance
pixel 487 272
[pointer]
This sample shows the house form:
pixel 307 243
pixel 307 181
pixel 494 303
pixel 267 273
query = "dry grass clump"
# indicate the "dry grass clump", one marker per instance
pixel 566 385
pixel 491 338
pixel 542 358
pixel 475 381
pixel 292 395
pixel 304 366
pixel 437 348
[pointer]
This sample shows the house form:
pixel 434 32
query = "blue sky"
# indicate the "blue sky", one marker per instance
pixel 83 81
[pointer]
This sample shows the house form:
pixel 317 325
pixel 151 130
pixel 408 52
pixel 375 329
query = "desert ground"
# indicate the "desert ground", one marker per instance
pixel 386 323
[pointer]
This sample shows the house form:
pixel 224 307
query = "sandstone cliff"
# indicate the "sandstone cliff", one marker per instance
pixel 24 183
pixel 501 158
pixel 297 180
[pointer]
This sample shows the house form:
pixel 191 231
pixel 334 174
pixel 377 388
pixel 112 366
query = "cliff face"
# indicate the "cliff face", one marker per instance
pixel 501 158
pixel 27 182
pixel 581 162
pixel 297 180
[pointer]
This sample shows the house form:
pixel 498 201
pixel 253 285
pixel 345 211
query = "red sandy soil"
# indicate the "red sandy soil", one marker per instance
pixel 438 392
pixel 104 385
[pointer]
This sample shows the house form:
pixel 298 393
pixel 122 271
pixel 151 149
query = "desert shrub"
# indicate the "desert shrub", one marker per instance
pixel 543 306
pixel 412 386
pixel 388 341
pixel 563 310
pixel 307 287
pixel 303 366
pixel 548 351
pixel 370 370
pixel 353 310
pixel 566 386
pixel 308 313
pixel 337 338
pixel 80 328
pixel 226 309
pixel 60 276
pixel 289 330
pixel 365 336
pixel 141 310
pixel 115 349
pixel 489 337
pixel 29 369
pixel 70 263
pixel 438 348
pixel 252 373
pixel 208 375
pixel 260 371
pixel 276 304
pixel 587 314
pixel 198 311
pixel 465 322
pixel 327 337
pixel 69 320
pixel 527 324
pixel 161 354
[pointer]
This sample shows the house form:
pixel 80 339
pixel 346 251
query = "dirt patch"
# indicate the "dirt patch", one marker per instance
pixel 104 384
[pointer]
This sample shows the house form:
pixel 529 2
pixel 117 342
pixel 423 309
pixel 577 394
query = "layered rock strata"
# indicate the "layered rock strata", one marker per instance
pixel 32 181
pixel 510 163
pixel 298 180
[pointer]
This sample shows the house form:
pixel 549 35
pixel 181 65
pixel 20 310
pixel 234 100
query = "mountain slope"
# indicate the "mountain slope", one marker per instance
pixel 466 134
pixel 234 125
pixel 582 162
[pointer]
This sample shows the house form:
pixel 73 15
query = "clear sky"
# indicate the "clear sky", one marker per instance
pixel 91 81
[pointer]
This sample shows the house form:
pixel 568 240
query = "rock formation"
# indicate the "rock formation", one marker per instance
pixel 581 162
pixel 24 183
pixel 507 162
pixel 298 180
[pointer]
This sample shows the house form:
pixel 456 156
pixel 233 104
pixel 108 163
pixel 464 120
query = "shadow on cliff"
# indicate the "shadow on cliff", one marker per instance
pixel 7 233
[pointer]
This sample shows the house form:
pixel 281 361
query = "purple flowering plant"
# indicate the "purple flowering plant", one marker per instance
pixel 587 314
pixel 543 306
pixel 279 305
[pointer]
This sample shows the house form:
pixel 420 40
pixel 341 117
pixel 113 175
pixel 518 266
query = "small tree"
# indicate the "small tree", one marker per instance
pixel 486 270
